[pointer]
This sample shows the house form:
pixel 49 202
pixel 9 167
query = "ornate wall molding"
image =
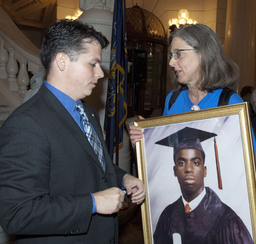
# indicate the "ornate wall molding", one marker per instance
pixel 101 4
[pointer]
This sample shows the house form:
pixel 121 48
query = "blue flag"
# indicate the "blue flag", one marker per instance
pixel 116 104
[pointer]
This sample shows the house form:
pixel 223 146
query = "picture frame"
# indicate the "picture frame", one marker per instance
pixel 236 155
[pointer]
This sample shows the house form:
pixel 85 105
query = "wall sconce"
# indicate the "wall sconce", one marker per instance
pixel 183 19
pixel 76 15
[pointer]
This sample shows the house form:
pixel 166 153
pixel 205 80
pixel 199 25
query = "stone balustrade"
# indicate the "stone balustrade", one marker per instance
pixel 19 60
pixel 14 79
pixel 14 68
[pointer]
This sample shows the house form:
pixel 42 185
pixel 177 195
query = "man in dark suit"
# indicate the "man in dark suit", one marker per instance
pixel 56 187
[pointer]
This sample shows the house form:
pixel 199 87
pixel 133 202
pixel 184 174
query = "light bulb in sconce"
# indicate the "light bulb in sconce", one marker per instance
pixel 183 19
pixel 183 14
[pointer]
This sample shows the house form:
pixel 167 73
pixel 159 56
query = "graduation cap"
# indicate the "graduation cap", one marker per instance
pixel 191 138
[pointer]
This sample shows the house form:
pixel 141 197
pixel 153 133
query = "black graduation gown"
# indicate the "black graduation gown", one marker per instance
pixel 211 222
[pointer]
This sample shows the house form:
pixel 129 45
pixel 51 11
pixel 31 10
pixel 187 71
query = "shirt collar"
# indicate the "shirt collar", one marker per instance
pixel 65 100
pixel 195 202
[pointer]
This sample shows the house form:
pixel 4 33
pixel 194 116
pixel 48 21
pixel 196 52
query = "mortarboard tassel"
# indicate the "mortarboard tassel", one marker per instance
pixel 217 164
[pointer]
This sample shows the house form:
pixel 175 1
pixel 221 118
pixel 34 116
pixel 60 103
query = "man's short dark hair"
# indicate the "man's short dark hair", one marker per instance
pixel 68 36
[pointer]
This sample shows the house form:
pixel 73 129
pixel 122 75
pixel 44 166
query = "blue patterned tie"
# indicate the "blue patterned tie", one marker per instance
pixel 91 135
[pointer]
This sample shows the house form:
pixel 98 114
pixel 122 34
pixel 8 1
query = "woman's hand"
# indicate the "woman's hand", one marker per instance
pixel 135 132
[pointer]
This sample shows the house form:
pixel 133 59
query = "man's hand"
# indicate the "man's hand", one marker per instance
pixel 135 188
pixel 109 201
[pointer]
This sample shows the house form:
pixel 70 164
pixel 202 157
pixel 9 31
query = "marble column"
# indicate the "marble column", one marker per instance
pixel 240 39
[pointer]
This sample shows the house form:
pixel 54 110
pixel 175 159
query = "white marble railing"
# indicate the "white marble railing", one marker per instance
pixel 14 79
pixel 14 69
pixel 19 59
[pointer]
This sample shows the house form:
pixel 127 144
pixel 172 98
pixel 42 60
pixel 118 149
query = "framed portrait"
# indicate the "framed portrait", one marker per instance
pixel 227 202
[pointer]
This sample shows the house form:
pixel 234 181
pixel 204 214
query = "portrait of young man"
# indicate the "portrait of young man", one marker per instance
pixel 210 216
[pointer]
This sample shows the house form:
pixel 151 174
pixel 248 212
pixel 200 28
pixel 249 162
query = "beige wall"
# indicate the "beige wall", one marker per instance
pixel 221 19
pixel 240 39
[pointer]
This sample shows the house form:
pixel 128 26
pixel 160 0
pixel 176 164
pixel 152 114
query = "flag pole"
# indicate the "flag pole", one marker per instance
pixel 117 117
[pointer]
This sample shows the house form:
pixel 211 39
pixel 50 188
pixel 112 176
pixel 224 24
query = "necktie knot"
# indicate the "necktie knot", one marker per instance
pixel 187 208
pixel 80 108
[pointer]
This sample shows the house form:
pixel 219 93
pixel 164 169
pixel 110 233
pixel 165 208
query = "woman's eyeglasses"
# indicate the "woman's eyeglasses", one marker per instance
pixel 177 53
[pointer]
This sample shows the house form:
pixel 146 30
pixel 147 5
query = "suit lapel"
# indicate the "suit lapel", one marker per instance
pixel 70 124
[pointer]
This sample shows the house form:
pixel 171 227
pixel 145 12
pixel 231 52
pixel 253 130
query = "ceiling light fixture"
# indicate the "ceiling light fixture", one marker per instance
pixel 183 19
pixel 76 15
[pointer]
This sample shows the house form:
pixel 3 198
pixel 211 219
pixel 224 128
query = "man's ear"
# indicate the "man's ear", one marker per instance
pixel 61 61
pixel 205 171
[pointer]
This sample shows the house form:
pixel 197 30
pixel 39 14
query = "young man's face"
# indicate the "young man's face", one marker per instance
pixel 190 170
pixel 82 75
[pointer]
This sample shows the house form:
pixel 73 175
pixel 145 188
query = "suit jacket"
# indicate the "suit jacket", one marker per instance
pixel 47 171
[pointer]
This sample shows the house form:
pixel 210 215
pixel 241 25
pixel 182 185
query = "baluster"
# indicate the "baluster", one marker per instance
pixel 12 70
pixel 23 77
pixel 3 60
